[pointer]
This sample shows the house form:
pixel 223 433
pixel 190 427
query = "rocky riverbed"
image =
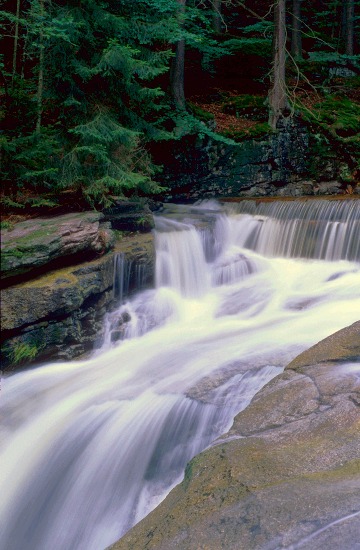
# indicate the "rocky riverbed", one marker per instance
pixel 286 475
pixel 57 278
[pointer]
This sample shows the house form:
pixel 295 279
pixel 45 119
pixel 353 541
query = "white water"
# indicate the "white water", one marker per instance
pixel 88 448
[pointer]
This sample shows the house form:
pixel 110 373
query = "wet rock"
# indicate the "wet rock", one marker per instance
pixel 59 292
pixel 56 315
pixel 59 315
pixel 328 188
pixel 35 243
pixel 131 216
pixel 208 168
pixel 286 474
pixel 339 346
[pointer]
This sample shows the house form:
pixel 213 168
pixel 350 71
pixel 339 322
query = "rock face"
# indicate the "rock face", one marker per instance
pixel 35 243
pixel 208 168
pixel 274 165
pixel 287 475
pixel 59 315
pixel 130 216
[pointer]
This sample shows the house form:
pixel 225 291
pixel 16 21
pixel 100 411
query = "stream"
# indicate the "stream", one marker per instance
pixel 88 448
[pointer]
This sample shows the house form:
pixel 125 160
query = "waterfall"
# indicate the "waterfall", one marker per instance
pixel 322 229
pixel 122 273
pixel 127 275
pixel 88 448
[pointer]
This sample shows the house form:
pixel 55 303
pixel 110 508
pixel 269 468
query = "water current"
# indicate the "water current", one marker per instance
pixel 87 448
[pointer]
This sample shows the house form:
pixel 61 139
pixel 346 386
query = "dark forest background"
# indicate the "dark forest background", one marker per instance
pixel 89 88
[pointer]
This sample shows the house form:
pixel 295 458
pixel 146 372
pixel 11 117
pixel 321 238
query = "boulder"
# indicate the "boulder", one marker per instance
pixel 35 243
pixel 286 475
pixel 59 315
pixel 130 216
pixel 204 168
pixel 55 294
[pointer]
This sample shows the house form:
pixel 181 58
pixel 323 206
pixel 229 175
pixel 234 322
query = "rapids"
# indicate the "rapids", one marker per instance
pixel 87 448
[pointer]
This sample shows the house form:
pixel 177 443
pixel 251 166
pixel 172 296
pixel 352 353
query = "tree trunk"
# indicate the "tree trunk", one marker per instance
pixel 177 68
pixel 349 43
pixel 296 43
pixel 217 16
pixel 16 39
pixel 40 86
pixel 278 94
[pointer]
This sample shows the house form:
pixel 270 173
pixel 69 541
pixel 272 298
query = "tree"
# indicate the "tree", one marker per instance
pixel 349 18
pixel 40 86
pixel 16 40
pixel 216 16
pixel 278 100
pixel 100 106
pixel 296 42
pixel 178 64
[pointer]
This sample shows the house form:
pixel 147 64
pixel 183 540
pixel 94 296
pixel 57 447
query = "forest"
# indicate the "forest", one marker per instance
pixel 89 88
pixel 180 274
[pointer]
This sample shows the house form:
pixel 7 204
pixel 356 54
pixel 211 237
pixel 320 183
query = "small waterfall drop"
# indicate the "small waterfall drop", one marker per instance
pixel 122 273
pixel 88 448
pixel 180 262
pixel 319 229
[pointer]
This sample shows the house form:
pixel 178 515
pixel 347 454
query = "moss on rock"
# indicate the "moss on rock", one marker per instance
pixel 274 481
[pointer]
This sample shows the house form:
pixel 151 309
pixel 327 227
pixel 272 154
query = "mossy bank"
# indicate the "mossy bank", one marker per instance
pixel 57 279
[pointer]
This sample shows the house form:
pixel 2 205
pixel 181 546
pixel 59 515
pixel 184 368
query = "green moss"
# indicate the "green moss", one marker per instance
pixel 258 130
pixel 14 252
pixel 22 352
pixel 118 234
pixel 337 114
pixel 247 106
pixel 334 124
pixel 349 469
pixel 6 225
pixel 353 82
pixel 187 475
pixel 199 113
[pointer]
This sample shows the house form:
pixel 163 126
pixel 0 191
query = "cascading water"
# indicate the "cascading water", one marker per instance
pixel 88 448
pixel 122 274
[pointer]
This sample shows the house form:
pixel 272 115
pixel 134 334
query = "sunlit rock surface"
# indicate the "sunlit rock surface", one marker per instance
pixel 286 475
pixel 34 243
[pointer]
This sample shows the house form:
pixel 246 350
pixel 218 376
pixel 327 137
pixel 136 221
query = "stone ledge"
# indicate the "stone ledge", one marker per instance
pixel 35 243
pixel 295 478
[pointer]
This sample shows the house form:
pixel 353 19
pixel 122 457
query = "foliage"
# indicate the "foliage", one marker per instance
pixel 200 113
pixel 247 106
pixel 5 224
pixel 334 123
pixel 85 89
pixel 260 129
pixel 253 39
pixel 21 352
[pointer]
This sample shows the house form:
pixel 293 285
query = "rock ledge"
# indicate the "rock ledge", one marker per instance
pixel 287 475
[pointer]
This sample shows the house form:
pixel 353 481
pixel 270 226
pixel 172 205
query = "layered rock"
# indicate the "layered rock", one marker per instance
pixel 209 168
pixel 59 314
pixel 271 165
pixel 131 216
pixel 32 244
pixel 287 475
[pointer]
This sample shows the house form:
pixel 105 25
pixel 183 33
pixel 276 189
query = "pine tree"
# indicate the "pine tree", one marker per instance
pixel 278 100
pixel 296 41
pixel 178 64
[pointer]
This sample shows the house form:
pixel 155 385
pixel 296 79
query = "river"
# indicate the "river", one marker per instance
pixel 87 448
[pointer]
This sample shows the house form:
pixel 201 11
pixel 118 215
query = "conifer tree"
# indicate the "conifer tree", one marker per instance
pixel 296 41
pixel 178 64
pixel 278 100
